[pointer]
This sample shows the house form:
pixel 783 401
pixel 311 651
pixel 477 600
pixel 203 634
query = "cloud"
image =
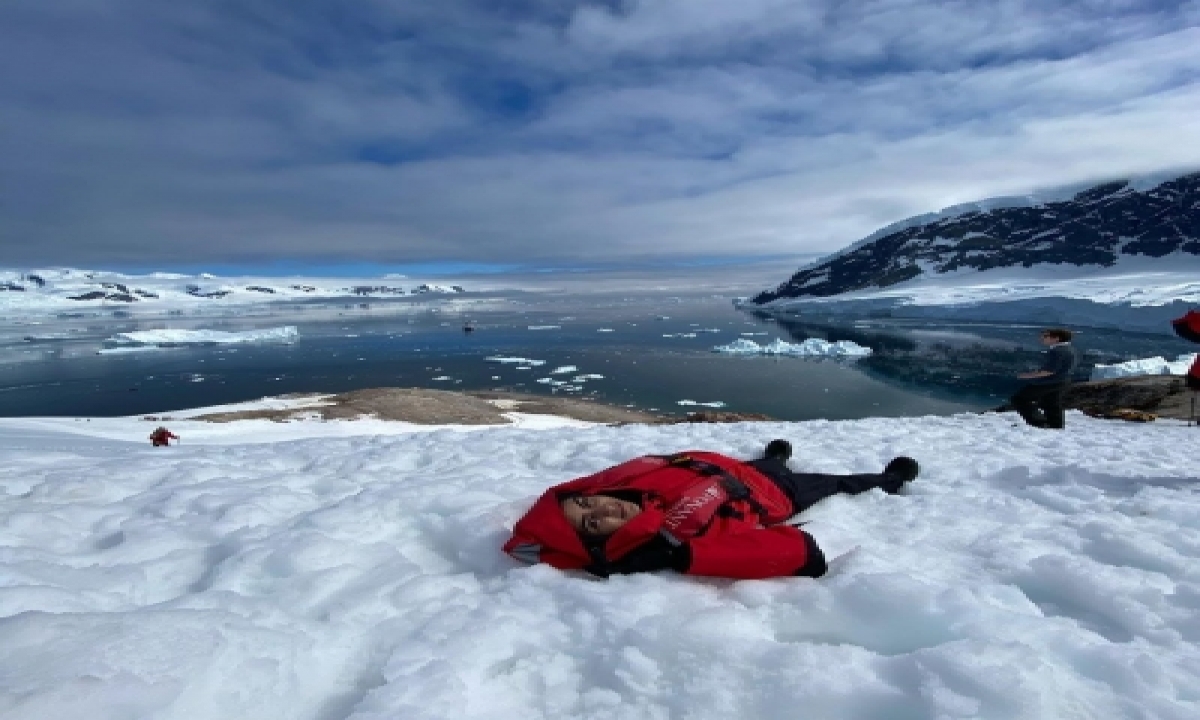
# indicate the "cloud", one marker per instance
pixel 555 132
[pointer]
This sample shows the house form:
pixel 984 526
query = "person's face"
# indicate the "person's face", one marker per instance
pixel 1049 340
pixel 598 515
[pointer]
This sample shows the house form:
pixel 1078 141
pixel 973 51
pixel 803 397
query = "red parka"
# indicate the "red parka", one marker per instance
pixel 728 537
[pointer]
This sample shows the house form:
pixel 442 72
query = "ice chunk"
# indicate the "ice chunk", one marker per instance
pixel 172 338
pixel 812 347
pixel 1146 366
pixel 513 360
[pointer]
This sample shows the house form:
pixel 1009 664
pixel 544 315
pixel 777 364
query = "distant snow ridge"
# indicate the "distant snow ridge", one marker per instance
pixel 812 347
pixel 169 338
pixel 1146 366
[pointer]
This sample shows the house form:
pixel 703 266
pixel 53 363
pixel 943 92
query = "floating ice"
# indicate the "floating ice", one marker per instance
pixel 545 327
pixel 514 360
pixel 714 404
pixel 604 330
pixel 132 349
pixel 172 338
pixel 812 347
pixel 583 378
pixel 679 335
pixel 442 378
pixel 1146 366
pixel 564 369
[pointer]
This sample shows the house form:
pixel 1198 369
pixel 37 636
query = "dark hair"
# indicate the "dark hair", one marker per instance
pixel 1063 334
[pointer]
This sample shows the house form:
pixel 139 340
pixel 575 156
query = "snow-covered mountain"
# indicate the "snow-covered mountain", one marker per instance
pixel 51 288
pixel 1101 227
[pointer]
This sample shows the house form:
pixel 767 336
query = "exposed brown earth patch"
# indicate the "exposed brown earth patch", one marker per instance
pixel 439 407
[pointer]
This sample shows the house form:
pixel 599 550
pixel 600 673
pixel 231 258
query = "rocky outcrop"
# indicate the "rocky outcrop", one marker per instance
pixel 1163 395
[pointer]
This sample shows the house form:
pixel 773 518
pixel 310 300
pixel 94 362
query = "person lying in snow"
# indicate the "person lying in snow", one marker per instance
pixel 698 513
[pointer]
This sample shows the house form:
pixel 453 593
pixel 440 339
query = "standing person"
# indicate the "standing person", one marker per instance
pixel 162 437
pixel 1040 402
pixel 698 513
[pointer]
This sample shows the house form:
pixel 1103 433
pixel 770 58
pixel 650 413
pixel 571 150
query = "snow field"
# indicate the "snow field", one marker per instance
pixel 1027 574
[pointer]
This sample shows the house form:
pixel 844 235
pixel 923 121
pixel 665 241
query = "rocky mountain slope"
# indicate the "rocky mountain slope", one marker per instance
pixel 1101 226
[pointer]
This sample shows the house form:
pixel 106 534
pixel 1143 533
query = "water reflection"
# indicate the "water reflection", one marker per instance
pixel 967 360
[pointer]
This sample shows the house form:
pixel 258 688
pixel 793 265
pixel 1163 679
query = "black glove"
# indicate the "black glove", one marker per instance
pixel 652 556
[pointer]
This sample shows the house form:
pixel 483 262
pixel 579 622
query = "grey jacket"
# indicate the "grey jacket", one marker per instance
pixel 1060 360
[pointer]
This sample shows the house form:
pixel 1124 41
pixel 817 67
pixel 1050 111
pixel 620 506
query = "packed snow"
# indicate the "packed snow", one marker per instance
pixel 811 347
pixel 351 569
pixel 173 338
pixel 1145 366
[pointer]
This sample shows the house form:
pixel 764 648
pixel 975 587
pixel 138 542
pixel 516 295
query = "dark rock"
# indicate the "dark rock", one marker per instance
pixel 93 295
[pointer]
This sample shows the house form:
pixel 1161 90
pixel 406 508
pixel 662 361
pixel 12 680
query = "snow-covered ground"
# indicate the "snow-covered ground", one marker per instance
pixel 1136 294
pixel 1144 366
pixel 329 570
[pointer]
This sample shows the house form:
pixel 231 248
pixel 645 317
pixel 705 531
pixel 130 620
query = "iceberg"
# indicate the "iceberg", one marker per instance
pixel 1146 366
pixel 174 338
pixel 503 360
pixel 714 404
pixel 812 347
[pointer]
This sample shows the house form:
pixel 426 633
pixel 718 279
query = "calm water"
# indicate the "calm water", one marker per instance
pixel 53 368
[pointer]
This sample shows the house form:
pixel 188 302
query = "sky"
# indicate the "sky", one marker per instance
pixel 559 133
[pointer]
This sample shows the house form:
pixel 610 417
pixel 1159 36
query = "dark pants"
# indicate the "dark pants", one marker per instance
pixel 1041 405
pixel 807 489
